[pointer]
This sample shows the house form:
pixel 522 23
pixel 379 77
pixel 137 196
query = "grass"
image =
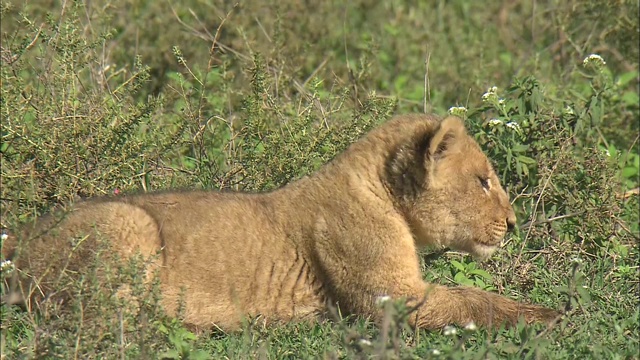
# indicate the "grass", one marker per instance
pixel 113 96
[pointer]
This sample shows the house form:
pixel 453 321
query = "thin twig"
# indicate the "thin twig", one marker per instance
pixel 427 89
pixel 315 71
pixel 546 221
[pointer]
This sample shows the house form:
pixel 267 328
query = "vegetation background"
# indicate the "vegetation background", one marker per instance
pixel 105 96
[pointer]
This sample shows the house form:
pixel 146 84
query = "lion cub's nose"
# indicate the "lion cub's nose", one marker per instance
pixel 511 221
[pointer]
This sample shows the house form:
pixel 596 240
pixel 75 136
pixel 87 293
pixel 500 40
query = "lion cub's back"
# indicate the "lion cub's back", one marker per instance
pixel 232 255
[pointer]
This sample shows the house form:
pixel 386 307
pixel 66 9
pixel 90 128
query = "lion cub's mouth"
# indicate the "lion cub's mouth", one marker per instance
pixel 478 250
pixel 482 251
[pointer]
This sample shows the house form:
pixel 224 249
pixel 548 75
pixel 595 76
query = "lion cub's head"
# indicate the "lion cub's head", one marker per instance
pixel 449 192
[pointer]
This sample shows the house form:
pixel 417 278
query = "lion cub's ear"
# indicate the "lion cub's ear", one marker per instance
pixel 447 136
pixel 408 167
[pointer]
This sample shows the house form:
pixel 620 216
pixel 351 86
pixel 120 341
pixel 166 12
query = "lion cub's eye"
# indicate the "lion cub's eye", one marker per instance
pixel 485 183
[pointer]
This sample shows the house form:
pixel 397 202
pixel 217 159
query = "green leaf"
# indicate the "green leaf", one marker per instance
pixel 585 297
pixel 621 250
pixel 482 273
pixel 400 82
pixel 460 278
pixel 562 289
pixel 626 78
pixel 630 98
pixel 629 172
pixel 188 335
pixel 458 265
pixel 613 152
pixel 519 148
pixel 526 160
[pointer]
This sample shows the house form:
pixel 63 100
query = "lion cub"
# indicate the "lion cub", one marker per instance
pixel 345 236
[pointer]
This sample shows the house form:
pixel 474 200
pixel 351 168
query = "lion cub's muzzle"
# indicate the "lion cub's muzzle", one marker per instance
pixel 495 233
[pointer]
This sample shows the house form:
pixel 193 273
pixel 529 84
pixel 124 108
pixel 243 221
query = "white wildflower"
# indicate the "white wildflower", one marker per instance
pixel 435 352
pixel 568 110
pixel 471 326
pixel 514 126
pixel 6 265
pixel 450 330
pixel 4 237
pixel 594 59
pixel 491 95
pixel 576 260
pixel 365 342
pixel 382 299
pixel 495 122
pixel 459 111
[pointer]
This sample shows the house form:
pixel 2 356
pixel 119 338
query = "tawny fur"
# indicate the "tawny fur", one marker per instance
pixel 346 235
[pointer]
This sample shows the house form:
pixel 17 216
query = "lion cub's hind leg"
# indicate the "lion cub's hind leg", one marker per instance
pixel 62 246
pixel 131 231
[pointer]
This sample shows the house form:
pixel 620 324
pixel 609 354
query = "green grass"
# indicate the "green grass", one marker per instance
pixel 144 95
